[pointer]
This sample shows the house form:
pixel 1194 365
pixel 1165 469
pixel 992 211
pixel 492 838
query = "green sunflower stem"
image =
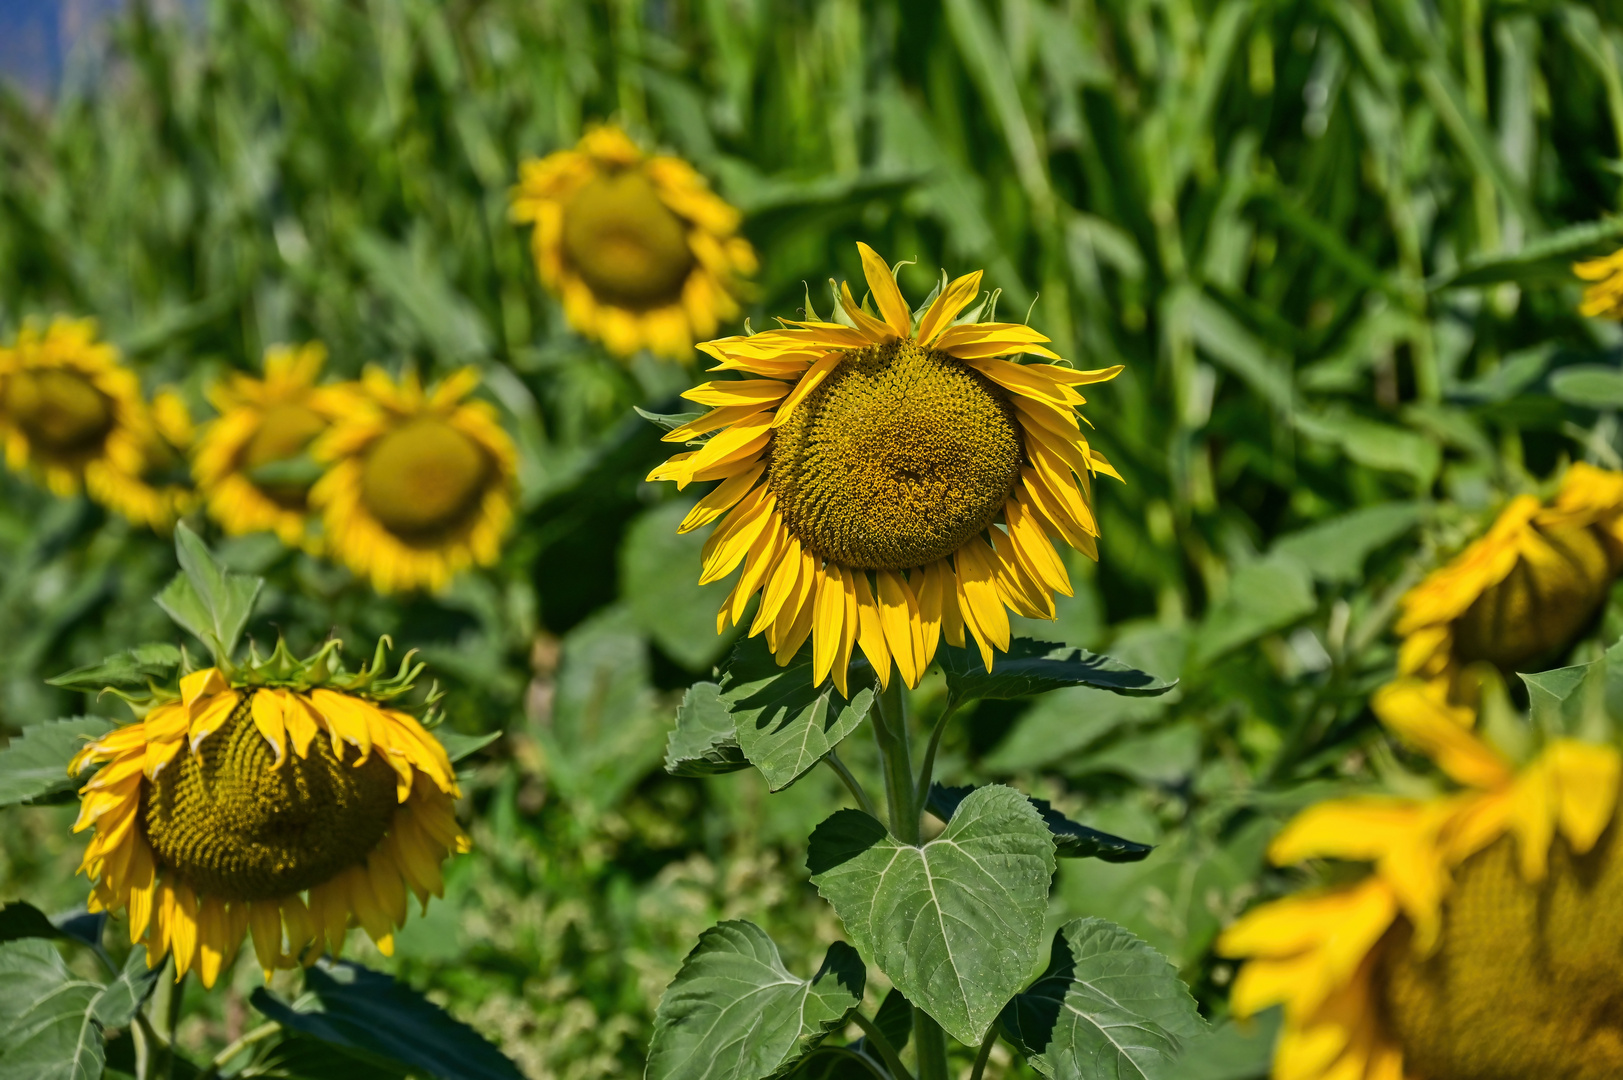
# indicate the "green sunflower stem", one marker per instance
pixel 890 728
pixel 906 804
pixel 932 1046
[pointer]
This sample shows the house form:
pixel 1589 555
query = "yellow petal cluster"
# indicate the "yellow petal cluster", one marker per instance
pixel 266 422
pixel 419 484
pixel 1329 957
pixel 1603 297
pixel 73 416
pixel 826 578
pixel 203 922
pixel 1524 590
pixel 640 250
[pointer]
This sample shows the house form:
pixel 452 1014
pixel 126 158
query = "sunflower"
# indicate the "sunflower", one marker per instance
pixel 278 801
pixel 1484 941
pixel 1604 298
pixel 1525 590
pixel 640 250
pixel 419 485
pixel 73 415
pixel 245 462
pixel 886 480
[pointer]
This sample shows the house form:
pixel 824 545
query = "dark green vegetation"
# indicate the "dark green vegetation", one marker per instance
pixel 1328 241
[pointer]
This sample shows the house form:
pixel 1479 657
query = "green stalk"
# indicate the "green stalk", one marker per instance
pixel 932 1044
pixel 890 728
pixel 906 803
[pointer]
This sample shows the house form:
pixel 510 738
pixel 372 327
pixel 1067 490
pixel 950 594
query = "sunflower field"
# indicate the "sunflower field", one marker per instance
pixel 816 539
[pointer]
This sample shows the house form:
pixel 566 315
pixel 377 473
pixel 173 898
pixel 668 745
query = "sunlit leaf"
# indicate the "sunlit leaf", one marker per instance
pixel 1108 1007
pixel 956 925
pixel 48 1029
pixel 703 742
pixel 783 723
pixel 734 1012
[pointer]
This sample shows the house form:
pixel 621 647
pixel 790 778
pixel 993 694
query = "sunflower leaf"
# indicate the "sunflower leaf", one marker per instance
pixel 1036 667
pixel 365 1012
pixel 784 724
pixel 956 924
pixel 703 742
pixel 1108 1005
pixel 34 765
pixel 1071 840
pixel 133 668
pixel 734 1011
pixel 48 1028
pixel 19 920
pixel 207 599
pixel 120 999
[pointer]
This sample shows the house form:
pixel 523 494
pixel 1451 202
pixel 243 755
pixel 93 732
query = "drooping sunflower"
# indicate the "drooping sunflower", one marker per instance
pixel 1484 942
pixel 1603 298
pixel 1523 591
pixel 74 416
pixel 283 801
pixel 419 484
pixel 642 253
pixel 888 479
pixel 265 425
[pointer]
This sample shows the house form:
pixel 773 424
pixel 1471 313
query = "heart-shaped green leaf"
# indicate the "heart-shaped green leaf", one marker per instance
pixel 1036 667
pixel 1108 1006
pixel 785 724
pixel 734 1012
pixel 703 742
pixel 956 925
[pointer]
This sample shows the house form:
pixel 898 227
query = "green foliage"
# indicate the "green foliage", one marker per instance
pixel 1107 1005
pixel 133 668
pixel 703 742
pixel 34 765
pixel 1071 841
pixel 735 1011
pixel 50 1030
pixel 955 924
pixel 784 724
pixel 205 598
pixel 363 1013
pixel 1036 667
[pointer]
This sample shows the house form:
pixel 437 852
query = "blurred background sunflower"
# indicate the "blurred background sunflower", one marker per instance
pixel 418 484
pixel 251 463
pixel 1483 943
pixel 636 246
pixel 1331 247
pixel 74 416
